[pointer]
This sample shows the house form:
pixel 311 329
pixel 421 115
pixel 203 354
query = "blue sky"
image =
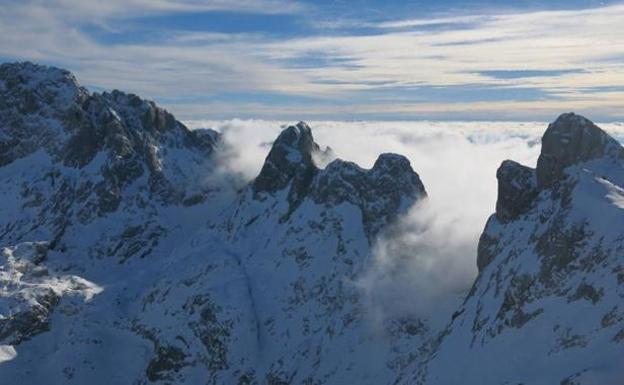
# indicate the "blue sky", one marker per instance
pixel 360 59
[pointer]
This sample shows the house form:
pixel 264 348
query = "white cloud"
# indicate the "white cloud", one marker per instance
pixel 90 11
pixel 403 53
pixel 430 257
pixel 431 22
pixel 549 40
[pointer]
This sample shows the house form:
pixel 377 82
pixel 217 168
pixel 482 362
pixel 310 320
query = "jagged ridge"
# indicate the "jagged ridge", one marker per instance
pixel 381 193
pixel 123 283
pixel 548 294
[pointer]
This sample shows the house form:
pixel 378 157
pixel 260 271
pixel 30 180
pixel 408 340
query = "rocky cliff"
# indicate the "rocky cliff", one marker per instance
pixel 122 263
pixel 546 307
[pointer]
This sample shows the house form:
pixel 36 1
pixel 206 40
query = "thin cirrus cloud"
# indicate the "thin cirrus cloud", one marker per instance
pixel 277 59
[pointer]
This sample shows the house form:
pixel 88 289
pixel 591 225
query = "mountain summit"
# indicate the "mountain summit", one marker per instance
pixel 548 295
pixel 123 259
pixel 290 159
pixel 569 140
pixel 381 193
pixel 122 263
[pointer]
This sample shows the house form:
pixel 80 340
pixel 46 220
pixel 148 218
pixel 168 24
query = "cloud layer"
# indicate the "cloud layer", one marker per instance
pixel 516 64
pixel 430 256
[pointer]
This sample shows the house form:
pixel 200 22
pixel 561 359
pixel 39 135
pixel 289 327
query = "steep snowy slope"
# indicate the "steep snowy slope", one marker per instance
pixel 71 158
pixel 125 258
pixel 277 302
pixel 90 185
pixel 547 306
pixel 122 262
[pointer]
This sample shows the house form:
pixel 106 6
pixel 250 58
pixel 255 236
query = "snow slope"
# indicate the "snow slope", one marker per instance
pixel 125 262
pixel 546 307
pixel 129 255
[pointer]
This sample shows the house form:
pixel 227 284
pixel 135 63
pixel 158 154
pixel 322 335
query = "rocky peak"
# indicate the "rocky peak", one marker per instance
pixel 517 190
pixel 551 255
pixel 26 85
pixel 389 188
pixel 33 99
pixel 398 170
pixel 381 193
pixel 44 107
pixel 111 140
pixel 569 140
pixel 517 187
pixel 290 159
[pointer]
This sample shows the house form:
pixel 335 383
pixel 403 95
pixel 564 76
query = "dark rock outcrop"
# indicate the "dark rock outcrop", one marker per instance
pixel 95 153
pixel 45 108
pixel 32 99
pixel 550 270
pixel 382 192
pixel 517 188
pixel 488 247
pixel 22 326
pixel 569 140
pixel 289 162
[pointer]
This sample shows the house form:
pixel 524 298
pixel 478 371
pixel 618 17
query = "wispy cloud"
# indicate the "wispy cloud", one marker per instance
pixel 560 53
pixel 412 23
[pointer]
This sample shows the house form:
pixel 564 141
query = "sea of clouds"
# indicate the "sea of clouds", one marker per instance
pixel 427 263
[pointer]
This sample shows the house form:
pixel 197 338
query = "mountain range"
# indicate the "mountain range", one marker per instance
pixel 128 256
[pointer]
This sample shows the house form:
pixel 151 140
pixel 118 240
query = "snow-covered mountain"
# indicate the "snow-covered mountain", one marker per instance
pixel 122 263
pixel 276 276
pixel 548 304
pixel 91 184
pixel 127 258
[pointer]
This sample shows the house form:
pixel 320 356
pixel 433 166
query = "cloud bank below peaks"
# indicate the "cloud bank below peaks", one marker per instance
pixel 429 256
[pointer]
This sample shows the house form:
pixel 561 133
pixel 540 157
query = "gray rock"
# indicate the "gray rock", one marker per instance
pixel 569 140
pixel 25 324
pixel 290 161
pixel 488 247
pixel 123 151
pixel 381 193
pixel 517 188
pixel 31 96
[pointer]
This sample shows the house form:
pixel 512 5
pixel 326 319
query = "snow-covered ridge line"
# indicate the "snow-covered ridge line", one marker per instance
pixel 137 250
pixel 550 287
pixel 126 257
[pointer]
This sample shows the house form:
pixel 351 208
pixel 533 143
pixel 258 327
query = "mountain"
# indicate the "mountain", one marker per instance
pixel 123 260
pixel 128 255
pixel 91 184
pixel 277 302
pixel 547 305
pixel 72 160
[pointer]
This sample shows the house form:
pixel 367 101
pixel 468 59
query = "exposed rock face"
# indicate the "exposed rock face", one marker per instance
pixel 34 101
pixel 550 285
pixel 517 192
pixel 382 192
pixel 90 156
pixel 296 272
pixel 569 140
pixel 84 177
pixel 109 274
pixel 517 188
pixel 289 163
pixel 31 291
pixel 290 159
